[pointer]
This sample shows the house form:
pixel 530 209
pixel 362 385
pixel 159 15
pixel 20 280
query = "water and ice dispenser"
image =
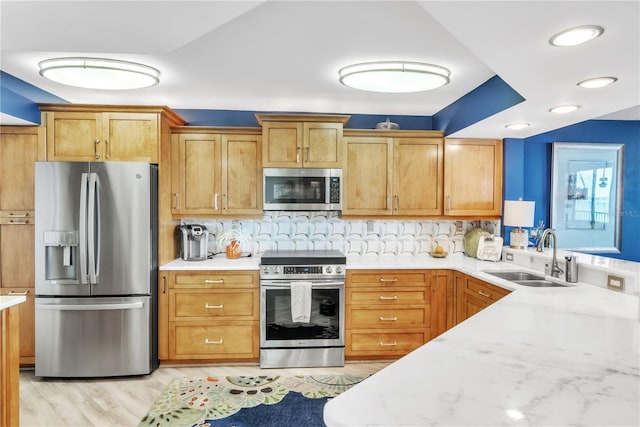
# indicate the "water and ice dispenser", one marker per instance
pixel 61 255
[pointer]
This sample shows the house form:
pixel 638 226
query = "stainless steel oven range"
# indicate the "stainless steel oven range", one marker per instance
pixel 302 296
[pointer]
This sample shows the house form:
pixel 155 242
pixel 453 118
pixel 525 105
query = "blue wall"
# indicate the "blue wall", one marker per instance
pixel 527 171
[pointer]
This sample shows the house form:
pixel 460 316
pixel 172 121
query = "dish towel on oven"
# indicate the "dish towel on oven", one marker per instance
pixel 301 301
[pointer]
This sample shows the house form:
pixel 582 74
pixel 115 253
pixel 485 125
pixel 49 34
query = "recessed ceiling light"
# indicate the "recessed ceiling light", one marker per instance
pixel 597 82
pixel 576 36
pixel 561 109
pixel 99 73
pixel 394 76
pixel 517 125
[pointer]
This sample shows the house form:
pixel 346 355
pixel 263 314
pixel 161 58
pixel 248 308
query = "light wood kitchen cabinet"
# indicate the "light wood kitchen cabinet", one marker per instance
pixel 209 315
pixel 20 148
pixel 302 141
pixel 104 133
pixel 475 295
pixel 216 171
pixel 443 302
pixel 473 177
pixel 9 366
pixel 393 173
pixel 387 312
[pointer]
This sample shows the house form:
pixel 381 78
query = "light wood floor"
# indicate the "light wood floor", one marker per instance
pixel 123 402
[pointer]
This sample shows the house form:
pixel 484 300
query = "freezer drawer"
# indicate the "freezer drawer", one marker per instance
pixel 94 337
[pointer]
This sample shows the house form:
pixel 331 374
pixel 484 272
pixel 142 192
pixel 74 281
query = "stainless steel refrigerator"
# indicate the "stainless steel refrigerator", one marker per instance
pixel 96 269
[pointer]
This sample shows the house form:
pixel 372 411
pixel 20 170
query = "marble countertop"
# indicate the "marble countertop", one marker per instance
pixel 539 356
pixel 7 301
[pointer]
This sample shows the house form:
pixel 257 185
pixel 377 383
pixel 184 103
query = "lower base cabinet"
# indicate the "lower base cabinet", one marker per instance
pixel 474 295
pixel 387 312
pixel 210 316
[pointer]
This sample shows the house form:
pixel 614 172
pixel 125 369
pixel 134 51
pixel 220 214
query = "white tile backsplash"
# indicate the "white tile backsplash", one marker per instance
pixel 326 230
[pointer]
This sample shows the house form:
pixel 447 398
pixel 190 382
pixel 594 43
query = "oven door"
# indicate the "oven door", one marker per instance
pixel 326 323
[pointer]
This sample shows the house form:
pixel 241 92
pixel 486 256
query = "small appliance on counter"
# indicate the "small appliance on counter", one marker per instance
pixel 194 242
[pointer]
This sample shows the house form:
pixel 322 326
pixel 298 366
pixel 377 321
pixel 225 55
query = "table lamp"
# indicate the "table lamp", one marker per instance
pixel 518 213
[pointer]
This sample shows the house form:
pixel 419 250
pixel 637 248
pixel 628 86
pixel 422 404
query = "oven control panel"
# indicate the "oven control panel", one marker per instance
pixel 302 271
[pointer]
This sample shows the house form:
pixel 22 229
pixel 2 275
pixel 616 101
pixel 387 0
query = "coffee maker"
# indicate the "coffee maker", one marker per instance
pixel 195 239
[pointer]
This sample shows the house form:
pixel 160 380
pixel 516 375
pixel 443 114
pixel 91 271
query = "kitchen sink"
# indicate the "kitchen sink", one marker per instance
pixel 539 283
pixel 515 275
pixel 526 279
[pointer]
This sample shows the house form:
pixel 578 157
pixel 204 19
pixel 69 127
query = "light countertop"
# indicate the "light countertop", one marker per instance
pixel 7 301
pixel 539 356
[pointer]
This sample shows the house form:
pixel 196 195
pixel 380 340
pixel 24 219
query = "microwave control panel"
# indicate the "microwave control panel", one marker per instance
pixel 334 189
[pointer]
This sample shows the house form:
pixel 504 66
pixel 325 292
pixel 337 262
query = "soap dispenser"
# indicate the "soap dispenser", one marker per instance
pixel 571 269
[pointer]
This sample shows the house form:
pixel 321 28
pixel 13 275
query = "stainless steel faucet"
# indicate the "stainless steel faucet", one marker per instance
pixel 556 271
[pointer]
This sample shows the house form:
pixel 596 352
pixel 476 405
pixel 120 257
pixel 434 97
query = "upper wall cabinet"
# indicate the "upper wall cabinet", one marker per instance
pixel 104 133
pixel 393 173
pixel 302 141
pixel 473 177
pixel 216 171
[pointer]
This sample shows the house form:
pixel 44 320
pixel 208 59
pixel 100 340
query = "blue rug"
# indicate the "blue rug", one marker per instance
pixel 244 401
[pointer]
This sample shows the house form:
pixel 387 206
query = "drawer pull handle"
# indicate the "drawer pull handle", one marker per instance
pixel 383 280
pixel 484 295
pixel 23 222
pixel 395 297
pixel 206 341
pixel 22 215
pixel 18 293
pixel 387 344
pixel 391 319
pixel 213 281
pixel 213 306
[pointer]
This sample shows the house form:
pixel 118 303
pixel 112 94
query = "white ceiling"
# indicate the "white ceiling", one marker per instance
pixel 284 55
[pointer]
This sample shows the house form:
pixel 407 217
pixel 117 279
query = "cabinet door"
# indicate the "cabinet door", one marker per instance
pixel 199 187
pixel 18 152
pixel 473 177
pixel 241 174
pixel 282 144
pixel 417 176
pixel 17 267
pixel 442 302
pixel 27 316
pixel 322 145
pixel 368 176
pixel 73 136
pixel 130 137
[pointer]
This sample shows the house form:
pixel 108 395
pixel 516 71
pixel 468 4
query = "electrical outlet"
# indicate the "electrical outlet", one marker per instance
pixel 615 282
pixel 369 226
pixel 458 226
pixel 509 257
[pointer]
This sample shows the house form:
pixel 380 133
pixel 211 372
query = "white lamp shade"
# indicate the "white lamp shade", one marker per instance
pixel 518 213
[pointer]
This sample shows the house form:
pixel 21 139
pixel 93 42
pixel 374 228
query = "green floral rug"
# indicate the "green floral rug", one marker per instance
pixel 246 401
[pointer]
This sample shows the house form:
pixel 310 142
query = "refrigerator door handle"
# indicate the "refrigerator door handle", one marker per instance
pixel 84 182
pixel 91 307
pixel 93 235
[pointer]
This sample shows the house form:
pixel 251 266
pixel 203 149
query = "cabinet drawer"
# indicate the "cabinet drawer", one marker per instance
pixel 216 280
pixel 385 342
pixel 202 341
pixel 386 278
pixel 213 304
pixel 485 291
pixel 384 297
pixel 388 318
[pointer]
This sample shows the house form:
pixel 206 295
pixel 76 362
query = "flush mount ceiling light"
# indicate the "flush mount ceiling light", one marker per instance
pixel 99 73
pixel 561 109
pixel 597 82
pixel 517 125
pixel 394 76
pixel 576 36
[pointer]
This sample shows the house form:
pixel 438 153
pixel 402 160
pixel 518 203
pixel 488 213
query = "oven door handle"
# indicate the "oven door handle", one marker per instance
pixel 288 284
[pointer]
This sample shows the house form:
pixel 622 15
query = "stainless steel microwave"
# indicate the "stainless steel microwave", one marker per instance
pixel 305 189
